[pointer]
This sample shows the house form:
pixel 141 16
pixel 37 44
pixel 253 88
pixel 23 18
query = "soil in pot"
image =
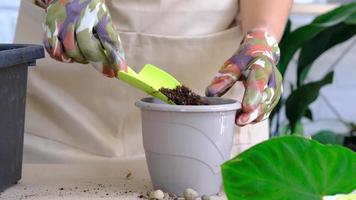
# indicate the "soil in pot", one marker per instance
pixel 182 95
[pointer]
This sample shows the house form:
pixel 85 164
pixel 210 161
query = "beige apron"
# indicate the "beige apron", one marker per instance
pixel 75 114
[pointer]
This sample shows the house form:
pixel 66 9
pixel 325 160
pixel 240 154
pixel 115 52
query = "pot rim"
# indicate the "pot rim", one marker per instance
pixel 220 105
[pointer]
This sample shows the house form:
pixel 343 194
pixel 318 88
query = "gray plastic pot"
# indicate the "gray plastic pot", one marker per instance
pixel 185 145
pixel 14 62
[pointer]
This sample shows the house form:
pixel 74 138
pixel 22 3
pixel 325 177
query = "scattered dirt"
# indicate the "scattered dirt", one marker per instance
pixel 182 95
pixel 98 189
pixel 129 175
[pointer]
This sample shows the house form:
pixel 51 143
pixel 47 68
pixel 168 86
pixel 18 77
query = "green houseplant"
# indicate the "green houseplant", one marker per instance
pixel 311 40
pixel 294 167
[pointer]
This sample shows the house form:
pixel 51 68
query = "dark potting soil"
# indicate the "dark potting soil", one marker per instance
pixel 182 95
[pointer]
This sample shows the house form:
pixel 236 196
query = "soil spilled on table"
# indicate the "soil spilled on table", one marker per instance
pixel 182 95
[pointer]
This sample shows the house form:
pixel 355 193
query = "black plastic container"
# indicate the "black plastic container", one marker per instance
pixel 14 61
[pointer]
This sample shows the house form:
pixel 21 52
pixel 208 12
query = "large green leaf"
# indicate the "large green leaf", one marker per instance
pixel 300 99
pixel 328 137
pixel 290 168
pixel 305 34
pixel 323 41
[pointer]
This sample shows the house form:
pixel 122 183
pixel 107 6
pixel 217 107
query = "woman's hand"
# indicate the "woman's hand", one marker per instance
pixel 82 31
pixel 255 65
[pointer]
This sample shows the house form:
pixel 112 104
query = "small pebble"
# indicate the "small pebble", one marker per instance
pixel 205 197
pixel 219 194
pixel 179 198
pixel 166 196
pixel 157 194
pixel 172 195
pixel 190 194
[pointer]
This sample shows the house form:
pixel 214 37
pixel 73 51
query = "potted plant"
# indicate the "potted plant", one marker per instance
pixel 311 41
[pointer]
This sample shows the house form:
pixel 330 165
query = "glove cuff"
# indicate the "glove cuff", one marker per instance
pixel 43 3
pixel 262 43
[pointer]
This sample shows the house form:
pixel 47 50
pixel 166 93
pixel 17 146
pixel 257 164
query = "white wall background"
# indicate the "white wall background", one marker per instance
pixel 8 16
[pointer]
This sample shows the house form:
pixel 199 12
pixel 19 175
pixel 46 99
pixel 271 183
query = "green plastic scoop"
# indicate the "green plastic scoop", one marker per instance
pixel 150 79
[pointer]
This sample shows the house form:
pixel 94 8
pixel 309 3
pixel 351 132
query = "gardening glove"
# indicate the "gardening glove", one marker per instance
pixel 82 31
pixel 255 65
pixel 43 3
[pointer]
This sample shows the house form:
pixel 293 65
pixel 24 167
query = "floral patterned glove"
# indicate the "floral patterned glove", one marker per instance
pixel 82 31
pixel 255 65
